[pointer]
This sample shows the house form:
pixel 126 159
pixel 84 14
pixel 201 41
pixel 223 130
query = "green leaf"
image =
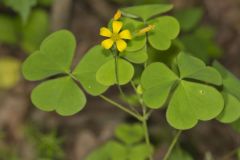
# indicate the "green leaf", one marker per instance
pixel 101 153
pixel 22 7
pixel 146 12
pixel 137 57
pixel 201 44
pixel 196 46
pixel 167 57
pixel 54 57
pixel 61 95
pixel 189 18
pixel 162 30
pixel 192 102
pixel 106 75
pixel 140 152
pixel 95 57
pixel 117 151
pixel 205 32
pixel 8 30
pixel 193 68
pixel 112 150
pixel 129 133
pixel 35 30
pixel 9 72
pixel 137 42
pixel 178 154
pixel 230 82
pixel 157 81
pixel 231 111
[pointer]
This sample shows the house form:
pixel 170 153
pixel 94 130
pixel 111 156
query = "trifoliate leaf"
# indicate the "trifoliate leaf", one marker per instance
pixel 146 12
pixel 193 68
pixel 162 30
pixel 54 57
pixel 231 111
pixel 87 68
pixel 138 57
pixel 129 133
pixel 61 95
pixel 106 75
pixel 230 82
pixel 192 102
pixel 157 81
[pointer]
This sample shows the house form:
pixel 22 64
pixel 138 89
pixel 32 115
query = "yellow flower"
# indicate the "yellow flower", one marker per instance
pixel 117 15
pixel 146 29
pixel 115 36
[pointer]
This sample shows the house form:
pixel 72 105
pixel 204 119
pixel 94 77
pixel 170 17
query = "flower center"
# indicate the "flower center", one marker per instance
pixel 115 37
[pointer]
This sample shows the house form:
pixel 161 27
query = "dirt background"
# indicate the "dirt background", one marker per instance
pixel 95 124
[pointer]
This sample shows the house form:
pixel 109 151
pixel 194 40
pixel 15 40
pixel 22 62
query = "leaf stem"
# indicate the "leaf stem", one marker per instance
pixel 137 116
pixel 146 132
pixel 118 85
pixel 170 149
pixel 145 118
pixel 140 118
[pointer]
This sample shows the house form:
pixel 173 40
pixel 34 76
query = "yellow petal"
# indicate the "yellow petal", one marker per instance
pixel 146 29
pixel 107 44
pixel 117 15
pixel 105 32
pixel 125 34
pixel 121 45
pixel 117 26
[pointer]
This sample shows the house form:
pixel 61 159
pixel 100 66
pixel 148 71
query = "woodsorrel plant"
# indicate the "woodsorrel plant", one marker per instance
pixel 132 54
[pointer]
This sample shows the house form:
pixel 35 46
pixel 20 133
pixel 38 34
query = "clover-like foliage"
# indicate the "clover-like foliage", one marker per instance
pixel 231 94
pixel 87 68
pixel 147 16
pixel 54 58
pixel 128 145
pixel 191 90
pixel 192 98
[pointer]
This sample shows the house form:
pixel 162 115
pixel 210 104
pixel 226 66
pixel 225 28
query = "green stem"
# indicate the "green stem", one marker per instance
pixel 146 132
pixel 142 118
pixel 118 85
pixel 137 116
pixel 145 118
pixel 121 107
pixel 170 149
pixel 116 74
